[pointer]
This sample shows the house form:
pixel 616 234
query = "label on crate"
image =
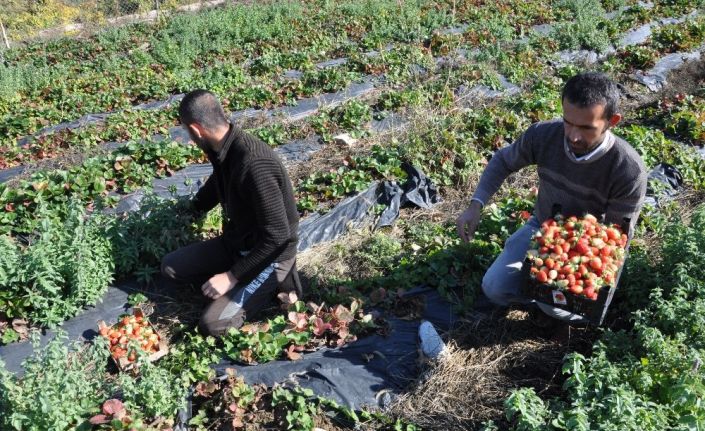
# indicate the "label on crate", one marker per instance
pixel 559 297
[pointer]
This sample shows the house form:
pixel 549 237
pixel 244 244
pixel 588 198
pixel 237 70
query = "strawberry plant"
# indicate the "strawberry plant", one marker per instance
pixel 191 355
pixel 681 117
pixel 327 80
pixel 679 37
pixel 664 40
pixel 654 148
pixel 638 57
pixel 232 399
pixel 305 327
pixel 130 167
pixel 355 175
pixel 273 135
pixel 299 411
pixel 393 100
pixel 352 117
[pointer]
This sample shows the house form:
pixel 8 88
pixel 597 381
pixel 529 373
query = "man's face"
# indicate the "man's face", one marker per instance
pixel 585 128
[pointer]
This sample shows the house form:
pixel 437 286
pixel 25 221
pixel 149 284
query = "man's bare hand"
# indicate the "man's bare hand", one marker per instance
pixel 468 220
pixel 219 285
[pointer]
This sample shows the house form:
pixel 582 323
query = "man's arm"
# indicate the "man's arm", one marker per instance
pixel 505 161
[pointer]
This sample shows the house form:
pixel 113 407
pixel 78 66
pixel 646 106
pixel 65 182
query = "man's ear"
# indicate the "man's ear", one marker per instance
pixel 614 120
pixel 196 129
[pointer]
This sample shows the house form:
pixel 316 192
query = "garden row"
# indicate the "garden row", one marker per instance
pixel 518 61
pixel 140 75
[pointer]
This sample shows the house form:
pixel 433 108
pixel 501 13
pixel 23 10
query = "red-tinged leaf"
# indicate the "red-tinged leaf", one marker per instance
pixel 233 407
pixel 246 356
pixel 205 389
pixel 288 297
pixel 342 314
pixel 320 327
pixel 299 320
pixel 250 328
pixel 314 308
pixel 292 354
pixel 113 407
pixel 99 419
pixel 302 324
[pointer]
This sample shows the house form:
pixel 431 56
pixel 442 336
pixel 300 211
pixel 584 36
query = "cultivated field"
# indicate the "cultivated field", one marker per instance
pixel 95 170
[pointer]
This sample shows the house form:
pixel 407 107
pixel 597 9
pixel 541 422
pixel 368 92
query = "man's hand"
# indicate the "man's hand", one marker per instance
pixel 468 220
pixel 219 285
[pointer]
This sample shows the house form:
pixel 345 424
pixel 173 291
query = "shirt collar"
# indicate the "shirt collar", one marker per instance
pixel 593 155
pixel 229 138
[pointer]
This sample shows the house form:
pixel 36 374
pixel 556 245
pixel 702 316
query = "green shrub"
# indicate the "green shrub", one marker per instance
pixel 60 388
pixel 585 29
pixel 61 268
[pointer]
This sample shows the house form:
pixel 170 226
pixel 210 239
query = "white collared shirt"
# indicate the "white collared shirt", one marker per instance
pixel 597 151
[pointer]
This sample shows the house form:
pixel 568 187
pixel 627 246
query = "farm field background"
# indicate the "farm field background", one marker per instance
pixel 88 129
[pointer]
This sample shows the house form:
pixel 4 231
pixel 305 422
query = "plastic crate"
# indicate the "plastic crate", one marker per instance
pixel 594 311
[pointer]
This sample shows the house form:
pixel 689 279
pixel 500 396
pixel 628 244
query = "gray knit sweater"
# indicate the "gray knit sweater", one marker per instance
pixel 611 182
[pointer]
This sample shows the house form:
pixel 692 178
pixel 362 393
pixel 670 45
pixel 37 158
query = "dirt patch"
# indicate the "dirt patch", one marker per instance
pixel 687 79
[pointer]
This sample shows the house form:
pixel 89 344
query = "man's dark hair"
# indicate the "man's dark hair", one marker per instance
pixel 202 107
pixel 592 88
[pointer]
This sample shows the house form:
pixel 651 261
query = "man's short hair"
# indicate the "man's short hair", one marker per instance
pixel 204 108
pixel 592 88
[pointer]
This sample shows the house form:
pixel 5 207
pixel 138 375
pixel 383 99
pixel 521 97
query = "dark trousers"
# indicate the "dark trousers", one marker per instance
pixel 196 263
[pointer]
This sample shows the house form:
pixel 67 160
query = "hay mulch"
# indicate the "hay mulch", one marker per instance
pixel 487 359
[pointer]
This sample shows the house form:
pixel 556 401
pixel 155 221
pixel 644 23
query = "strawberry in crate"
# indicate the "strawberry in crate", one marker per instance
pixel 577 255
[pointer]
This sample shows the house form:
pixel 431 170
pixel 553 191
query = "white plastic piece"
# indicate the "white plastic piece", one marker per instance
pixel 431 345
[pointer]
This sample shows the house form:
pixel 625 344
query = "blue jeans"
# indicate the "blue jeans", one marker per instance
pixel 503 281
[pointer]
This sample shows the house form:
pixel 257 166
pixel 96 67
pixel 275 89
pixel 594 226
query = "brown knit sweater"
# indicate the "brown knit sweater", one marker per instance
pixel 612 183
pixel 255 192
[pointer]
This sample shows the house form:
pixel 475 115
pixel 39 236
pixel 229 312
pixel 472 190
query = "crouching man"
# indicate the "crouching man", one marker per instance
pixel 242 270
pixel 582 167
